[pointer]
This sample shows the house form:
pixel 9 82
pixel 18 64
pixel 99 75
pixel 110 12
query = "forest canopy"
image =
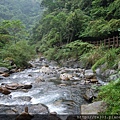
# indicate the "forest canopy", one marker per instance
pixel 67 20
pixel 27 11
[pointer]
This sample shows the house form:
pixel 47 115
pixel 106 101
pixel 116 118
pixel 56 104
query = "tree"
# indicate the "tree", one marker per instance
pixel 14 28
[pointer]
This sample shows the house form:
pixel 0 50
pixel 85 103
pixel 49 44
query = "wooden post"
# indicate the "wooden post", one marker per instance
pixel 104 42
pixel 117 41
pixel 113 41
pixel 97 43
pixel 108 42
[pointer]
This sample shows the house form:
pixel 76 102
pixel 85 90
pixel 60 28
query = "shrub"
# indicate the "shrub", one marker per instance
pixel 111 95
pixel 20 52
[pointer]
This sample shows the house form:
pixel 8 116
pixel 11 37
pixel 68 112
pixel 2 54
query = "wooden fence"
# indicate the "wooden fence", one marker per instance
pixel 110 42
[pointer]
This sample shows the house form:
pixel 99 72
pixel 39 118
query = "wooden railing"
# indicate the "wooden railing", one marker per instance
pixel 110 42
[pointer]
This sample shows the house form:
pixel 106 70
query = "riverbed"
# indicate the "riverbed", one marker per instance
pixel 60 96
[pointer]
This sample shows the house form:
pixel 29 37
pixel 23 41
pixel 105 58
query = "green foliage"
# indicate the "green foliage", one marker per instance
pixel 99 62
pixel 15 28
pixel 110 57
pixel 77 48
pixel 72 50
pixel 101 27
pixel 92 57
pixel 27 11
pixel 64 22
pixel 20 53
pixel 110 94
pixel 50 53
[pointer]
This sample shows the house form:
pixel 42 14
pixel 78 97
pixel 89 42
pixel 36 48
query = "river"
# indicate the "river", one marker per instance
pixel 60 96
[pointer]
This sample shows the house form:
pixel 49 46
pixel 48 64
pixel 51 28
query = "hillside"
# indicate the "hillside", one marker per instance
pixel 28 11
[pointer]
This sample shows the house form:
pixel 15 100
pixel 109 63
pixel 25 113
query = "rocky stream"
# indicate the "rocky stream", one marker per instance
pixel 47 88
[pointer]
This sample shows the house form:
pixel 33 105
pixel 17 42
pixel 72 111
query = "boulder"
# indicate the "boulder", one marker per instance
pixel 32 108
pixel 53 117
pixel 104 73
pixel 113 77
pixel 5 74
pixel 12 71
pixel 93 80
pixel 108 73
pixel 27 86
pixel 62 85
pixel 93 108
pixel 14 86
pixel 65 76
pixel 39 79
pixel 89 95
pixel 23 112
pixel 4 91
pixel 11 86
pixel 89 74
pixel 45 69
pixel 24 115
pixel 41 58
pixel 3 70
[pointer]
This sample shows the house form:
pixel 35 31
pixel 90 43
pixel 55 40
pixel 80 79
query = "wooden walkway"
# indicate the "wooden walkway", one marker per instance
pixel 110 42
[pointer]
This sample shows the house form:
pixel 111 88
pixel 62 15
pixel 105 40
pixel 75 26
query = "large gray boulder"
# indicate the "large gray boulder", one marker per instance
pixel 93 108
pixel 89 74
pixel 17 109
pixel 3 70
pixel 19 112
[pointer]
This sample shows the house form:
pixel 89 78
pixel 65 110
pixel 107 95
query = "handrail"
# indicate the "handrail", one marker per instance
pixel 110 42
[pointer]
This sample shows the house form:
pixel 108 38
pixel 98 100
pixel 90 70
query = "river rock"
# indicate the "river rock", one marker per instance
pixel 108 72
pixel 89 95
pixel 45 69
pixel 39 79
pixel 53 117
pixel 32 108
pixel 5 74
pixel 93 108
pixel 14 86
pixel 93 80
pixel 41 58
pixel 65 76
pixel 62 85
pixel 113 77
pixel 3 70
pixel 12 71
pixel 89 74
pixel 27 86
pixel 4 91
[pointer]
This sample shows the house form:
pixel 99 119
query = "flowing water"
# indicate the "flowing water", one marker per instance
pixel 60 99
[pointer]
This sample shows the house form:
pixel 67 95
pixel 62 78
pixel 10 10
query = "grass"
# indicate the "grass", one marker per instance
pixel 111 95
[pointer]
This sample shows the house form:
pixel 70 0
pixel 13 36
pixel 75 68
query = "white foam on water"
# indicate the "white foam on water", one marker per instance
pixel 45 99
pixel 59 109
pixel 15 103
pixel 38 70
pixel 30 93
pixel 15 76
